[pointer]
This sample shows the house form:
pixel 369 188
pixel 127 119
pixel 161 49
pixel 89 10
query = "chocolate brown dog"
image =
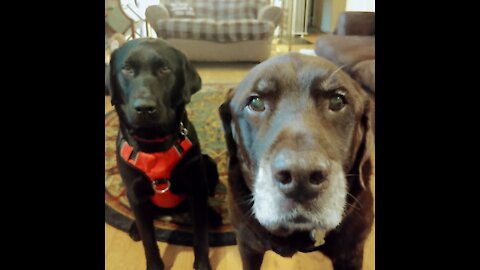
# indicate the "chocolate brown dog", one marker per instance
pixel 158 153
pixel 299 136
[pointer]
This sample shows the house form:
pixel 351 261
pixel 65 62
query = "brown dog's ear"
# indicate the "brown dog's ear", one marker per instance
pixel 226 117
pixel 367 146
pixel 191 80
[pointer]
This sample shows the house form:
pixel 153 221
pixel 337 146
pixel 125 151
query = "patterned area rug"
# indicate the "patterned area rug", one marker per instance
pixel 176 229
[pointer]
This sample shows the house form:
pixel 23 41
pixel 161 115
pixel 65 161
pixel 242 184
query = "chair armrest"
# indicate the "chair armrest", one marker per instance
pixel 356 23
pixel 270 13
pixel 155 13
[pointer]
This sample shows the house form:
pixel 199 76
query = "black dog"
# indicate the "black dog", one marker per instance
pixel 158 153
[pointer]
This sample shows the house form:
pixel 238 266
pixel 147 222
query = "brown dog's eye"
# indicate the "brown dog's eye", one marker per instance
pixel 163 70
pixel 337 102
pixel 256 104
pixel 127 70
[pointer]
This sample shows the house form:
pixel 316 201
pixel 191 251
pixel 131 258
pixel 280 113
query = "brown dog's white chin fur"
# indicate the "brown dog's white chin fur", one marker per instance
pixel 290 228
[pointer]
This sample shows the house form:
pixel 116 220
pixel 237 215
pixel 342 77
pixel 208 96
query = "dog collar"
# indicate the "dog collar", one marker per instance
pixel 182 133
pixel 158 167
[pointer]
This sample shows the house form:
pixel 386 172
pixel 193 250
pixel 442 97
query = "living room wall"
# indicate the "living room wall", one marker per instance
pixel 330 10
pixel 326 12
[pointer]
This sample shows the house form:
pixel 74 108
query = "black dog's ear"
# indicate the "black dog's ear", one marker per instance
pixel 226 117
pixel 111 81
pixel 191 79
pixel 107 79
pixel 366 149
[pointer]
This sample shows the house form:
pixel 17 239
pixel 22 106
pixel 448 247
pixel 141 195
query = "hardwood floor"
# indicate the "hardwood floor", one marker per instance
pixel 121 253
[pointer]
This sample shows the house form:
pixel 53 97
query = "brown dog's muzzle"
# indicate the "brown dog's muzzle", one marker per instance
pixel 299 174
pixel 298 160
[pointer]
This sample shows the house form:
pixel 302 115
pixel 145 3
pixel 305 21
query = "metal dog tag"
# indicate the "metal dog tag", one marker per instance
pixel 318 237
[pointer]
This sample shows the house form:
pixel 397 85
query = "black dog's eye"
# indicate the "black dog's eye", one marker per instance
pixel 256 104
pixel 127 70
pixel 337 102
pixel 163 71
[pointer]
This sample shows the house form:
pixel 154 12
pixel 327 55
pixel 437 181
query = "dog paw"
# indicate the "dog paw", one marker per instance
pixel 155 266
pixel 202 266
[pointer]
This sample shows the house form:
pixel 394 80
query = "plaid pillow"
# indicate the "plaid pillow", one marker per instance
pixel 181 10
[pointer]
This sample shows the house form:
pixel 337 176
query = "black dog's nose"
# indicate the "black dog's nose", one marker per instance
pixel 144 106
pixel 299 175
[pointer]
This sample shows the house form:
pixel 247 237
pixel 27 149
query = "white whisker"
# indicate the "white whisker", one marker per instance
pixel 353 197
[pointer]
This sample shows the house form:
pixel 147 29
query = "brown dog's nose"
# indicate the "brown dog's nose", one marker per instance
pixel 144 106
pixel 299 175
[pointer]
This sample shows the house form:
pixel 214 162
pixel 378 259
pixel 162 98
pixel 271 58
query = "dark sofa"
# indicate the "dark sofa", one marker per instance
pixel 352 44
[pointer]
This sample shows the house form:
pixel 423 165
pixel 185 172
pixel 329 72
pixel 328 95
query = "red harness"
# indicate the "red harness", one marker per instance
pixel 158 167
